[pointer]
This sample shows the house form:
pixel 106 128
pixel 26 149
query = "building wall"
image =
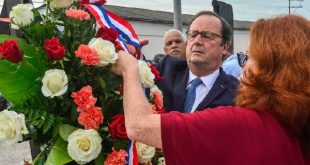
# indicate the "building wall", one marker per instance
pixel 154 33
pixel 241 40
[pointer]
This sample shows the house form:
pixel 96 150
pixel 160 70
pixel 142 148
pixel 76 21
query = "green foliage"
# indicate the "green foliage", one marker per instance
pixel 41 158
pixel 65 130
pixel 120 143
pixel 38 33
pixel 20 81
pixel 100 160
pixel 58 154
pixel 39 118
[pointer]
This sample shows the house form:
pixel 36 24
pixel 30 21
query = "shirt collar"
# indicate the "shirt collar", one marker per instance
pixel 207 80
pixel 231 57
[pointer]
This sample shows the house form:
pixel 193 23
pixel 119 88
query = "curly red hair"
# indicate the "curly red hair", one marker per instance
pixel 281 48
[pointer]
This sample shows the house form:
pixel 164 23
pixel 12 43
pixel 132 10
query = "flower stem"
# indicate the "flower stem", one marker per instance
pixel 46 11
pixel 62 64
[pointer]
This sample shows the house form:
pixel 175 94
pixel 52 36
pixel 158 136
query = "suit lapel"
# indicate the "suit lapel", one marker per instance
pixel 217 88
pixel 179 89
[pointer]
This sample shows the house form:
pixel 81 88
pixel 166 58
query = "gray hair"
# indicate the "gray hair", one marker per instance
pixel 174 30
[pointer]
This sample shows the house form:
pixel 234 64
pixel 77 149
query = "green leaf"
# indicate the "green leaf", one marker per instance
pixel 99 160
pixel 49 123
pixel 38 33
pixel 101 83
pixel 120 143
pixel 58 154
pixel 65 130
pixel 20 81
pixel 39 160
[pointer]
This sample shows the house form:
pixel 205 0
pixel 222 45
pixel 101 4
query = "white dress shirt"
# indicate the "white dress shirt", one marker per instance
pixel 203 89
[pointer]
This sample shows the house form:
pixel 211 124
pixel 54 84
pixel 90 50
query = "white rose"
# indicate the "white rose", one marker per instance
pixel 58 4
pixel 84 145
pixel 161 161
pixel 12 127
pixel 105 49
pixel 55 83
pixel 147 77
pixel 145 152
pixel 22 15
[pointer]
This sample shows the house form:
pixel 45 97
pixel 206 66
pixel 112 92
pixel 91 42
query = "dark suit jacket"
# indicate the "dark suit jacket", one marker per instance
pixel 176 73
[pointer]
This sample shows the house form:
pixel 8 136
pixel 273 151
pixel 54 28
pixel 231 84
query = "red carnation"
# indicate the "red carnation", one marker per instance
pixel 91 118
pixel 155 72
pixel 88 56
pixel 158 99
pixel 116 158
pixel 158 106
pixel 107 34
pixel 10 51
pixel 53 49
pixel 84 98
pixel 117 127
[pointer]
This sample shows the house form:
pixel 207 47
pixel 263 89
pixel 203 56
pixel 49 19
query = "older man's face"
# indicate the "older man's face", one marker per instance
pixel 174 45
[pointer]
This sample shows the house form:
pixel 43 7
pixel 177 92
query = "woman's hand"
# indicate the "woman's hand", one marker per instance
pixel 125 63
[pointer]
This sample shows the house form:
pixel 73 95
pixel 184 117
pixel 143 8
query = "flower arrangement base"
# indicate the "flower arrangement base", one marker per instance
pixel 62 91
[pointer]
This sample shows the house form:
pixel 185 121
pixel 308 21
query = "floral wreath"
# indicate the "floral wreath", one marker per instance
pixel 64 95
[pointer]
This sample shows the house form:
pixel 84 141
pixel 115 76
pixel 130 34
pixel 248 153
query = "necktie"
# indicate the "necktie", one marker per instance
pixel 191 95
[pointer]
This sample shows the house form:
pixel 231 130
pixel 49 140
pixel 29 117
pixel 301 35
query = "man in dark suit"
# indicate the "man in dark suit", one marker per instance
pixel 208 40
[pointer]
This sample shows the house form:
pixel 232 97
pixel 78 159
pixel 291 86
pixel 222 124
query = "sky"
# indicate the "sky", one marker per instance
pixel 245 10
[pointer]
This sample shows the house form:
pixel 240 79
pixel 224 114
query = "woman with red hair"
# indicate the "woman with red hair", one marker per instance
pixel 269 125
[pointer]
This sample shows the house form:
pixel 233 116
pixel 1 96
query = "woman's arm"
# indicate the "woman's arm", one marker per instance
pixel 141 124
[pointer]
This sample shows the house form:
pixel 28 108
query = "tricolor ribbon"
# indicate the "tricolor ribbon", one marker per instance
pixel 132 158
pixel 108 19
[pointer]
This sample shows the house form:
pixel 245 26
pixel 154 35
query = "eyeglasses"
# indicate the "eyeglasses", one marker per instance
pixel 242 58
pixel 205 35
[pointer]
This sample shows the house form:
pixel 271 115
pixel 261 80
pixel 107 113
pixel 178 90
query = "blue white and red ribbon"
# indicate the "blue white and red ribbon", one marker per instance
pixel 108 19
pixel 132 158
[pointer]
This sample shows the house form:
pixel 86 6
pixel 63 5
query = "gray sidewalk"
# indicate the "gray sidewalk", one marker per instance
pixel 15 154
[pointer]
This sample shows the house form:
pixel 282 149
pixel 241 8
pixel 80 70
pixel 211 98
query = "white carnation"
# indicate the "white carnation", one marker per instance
pixel 84 145
pixel 105 49
pixel 145 152
pixel 55 83
pixel 21 15
pixel 12 127
pixel 58 4
pixel 147 77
